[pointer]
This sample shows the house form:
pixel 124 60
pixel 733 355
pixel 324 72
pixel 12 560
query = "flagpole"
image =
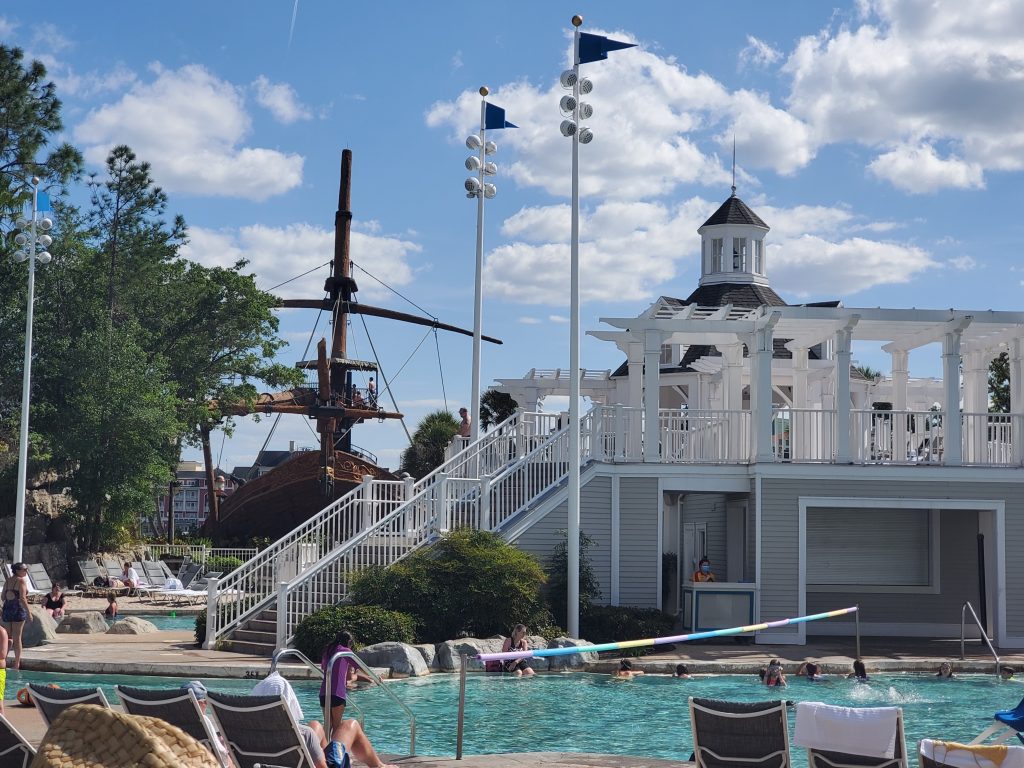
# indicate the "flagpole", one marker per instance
pixel 573 528
pixel 478 297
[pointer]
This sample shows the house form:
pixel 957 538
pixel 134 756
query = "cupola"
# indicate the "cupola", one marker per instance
pixel 732 245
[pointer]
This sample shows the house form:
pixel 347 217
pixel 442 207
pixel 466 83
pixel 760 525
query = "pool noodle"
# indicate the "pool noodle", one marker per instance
pixel 542 653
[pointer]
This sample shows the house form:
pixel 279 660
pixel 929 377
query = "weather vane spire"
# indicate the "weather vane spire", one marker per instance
pixel 734 165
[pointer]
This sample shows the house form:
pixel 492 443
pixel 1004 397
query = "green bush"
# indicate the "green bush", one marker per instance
pixel 556 591
pixel 470 581
pixel 612 624
pixel 368 623
pixel 224 564
pixel 200 628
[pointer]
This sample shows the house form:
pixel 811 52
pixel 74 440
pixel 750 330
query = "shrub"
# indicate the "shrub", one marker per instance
pixel 556 592
pixel 224 564
pixel 470 581
pixel 611 624
pixel 368 623
pixel 200 628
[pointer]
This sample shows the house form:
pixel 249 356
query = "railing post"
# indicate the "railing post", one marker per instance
pixel 620 434
pixel 485 503
pixel 408 492
pixel 366 502
pixel 282 616
pixel 442 514
pixel 462 706
pixel 211 614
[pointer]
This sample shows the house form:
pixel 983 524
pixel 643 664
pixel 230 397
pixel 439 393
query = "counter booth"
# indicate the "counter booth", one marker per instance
pixel 718 605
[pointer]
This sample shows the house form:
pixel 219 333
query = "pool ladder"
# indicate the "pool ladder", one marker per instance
pixel 984 635
pixel 369 672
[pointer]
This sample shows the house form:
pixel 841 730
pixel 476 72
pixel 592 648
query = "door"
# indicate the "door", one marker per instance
pixel 695 541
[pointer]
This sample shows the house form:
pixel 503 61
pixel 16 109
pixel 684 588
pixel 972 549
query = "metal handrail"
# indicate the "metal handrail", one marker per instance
pixel 312 665
pixel 984 635
pixel 351 656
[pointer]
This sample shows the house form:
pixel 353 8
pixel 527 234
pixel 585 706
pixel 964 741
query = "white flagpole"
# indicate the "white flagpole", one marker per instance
pixel 573 528
pixel 478 300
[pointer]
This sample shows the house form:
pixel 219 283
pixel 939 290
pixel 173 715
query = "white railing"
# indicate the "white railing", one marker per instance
pixel 803 435
pixel 988 439
pixel 199 553
pixel 704 437
pixel 253 586
pixel 510 439
pixel 896 437
pixel 618 433
pixel 443 504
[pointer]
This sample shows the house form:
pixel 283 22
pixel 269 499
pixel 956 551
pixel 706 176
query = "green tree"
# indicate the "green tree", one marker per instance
pixel 999 384
pixel 495 407
pixel 429 441
pixel 556 591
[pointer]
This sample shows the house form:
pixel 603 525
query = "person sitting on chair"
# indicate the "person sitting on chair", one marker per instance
pixel 703 572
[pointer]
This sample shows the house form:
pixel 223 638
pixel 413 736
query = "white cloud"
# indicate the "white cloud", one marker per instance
pixel 920 169
pixel 457 60
pixel 963 263
pixel 916 74
pixel 646 110
pixel 280 100
pixel 307 248
pixel 758 53
pixel 530 320
pixel 7 27
pixel 561 319
pixel 190 126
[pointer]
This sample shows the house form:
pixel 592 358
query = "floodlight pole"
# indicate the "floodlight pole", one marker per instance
pixel 573 528
pixel 478 295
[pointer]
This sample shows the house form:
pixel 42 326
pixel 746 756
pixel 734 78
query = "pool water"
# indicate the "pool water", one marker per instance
pixel 581 712
pixel 165 622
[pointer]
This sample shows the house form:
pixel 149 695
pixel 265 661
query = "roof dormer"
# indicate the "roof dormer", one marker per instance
pixel 733 245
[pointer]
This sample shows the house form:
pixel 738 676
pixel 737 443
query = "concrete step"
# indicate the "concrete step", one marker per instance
pixel 262 625
pixel 255 649
pixel 254 636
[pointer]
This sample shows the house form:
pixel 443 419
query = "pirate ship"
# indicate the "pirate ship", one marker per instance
pixel 278 501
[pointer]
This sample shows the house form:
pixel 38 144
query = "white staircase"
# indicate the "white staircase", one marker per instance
pixel 380 522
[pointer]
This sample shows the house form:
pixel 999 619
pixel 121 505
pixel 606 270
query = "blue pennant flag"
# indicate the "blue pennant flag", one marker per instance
pixel 42 202
pixel 596 47
pixel 494 118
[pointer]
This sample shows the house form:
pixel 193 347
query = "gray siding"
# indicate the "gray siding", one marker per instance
pixel 958 578
pixel 595 521
pixel 708 508
pixel 639 558
pixel 780 543
pixel 751 548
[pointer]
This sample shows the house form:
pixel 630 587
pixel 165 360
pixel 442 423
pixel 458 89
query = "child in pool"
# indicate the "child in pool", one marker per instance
pixel 111 611
pixel 859 673
pixel 626 671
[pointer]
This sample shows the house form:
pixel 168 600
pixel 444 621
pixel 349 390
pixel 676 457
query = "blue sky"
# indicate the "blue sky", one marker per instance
pixel 880 139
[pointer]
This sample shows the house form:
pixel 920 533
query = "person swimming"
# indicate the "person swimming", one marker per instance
pixel 859 671
pixel 774 676
pixel 810 670
pixel 626 671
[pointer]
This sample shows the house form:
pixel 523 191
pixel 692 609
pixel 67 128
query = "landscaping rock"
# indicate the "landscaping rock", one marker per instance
pixel 400 659
pixel 449 653
pixel 429 654
pixel 40 628
pixel 570 661
pixel 535 643
pixel 132 625
pixel 83 623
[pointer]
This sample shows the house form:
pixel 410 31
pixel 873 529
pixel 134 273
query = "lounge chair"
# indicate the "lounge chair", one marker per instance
pixel 847 737
pixel 260 730
pixel 729 734
pixel 42 583
pixel 1008 723
pixel 92 571
pixel 52 701
pixel 15 751
pixel 943 754
pixel 175 706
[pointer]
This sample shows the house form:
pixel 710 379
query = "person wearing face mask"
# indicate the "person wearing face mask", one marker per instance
pixel 703 572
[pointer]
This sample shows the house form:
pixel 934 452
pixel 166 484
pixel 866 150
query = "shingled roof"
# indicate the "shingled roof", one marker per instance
pixel 735 211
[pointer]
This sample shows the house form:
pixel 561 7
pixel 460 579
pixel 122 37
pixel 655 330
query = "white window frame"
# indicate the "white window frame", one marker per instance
pixel 717 250
pixel 739 254
pixel 759 256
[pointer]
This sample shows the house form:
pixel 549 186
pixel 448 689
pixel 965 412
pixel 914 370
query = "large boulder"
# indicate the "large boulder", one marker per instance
pixel 132 625
pixel 83 623
pixel 400 659
pixel 429 653
pixel 40 628
pixel 571 660
pixel 449 653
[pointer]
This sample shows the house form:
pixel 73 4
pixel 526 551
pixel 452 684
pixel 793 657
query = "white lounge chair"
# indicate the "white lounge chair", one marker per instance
pixel 848 737
pixel 943 754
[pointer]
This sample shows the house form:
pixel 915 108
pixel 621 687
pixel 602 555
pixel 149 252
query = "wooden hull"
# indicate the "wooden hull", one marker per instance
pixel 278 502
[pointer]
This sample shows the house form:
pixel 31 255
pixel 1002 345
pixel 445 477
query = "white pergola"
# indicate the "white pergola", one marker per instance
pixel 973 337
pixel 531 389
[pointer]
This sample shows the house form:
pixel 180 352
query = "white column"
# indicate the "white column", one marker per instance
pixel 652 395
pixel 761 393
pixel 952 440
pixel 900 376
pixel 1016 355
pixel 732 395
pixel 635 364
pixel 976 404
pixel 842 374
pixel 799 421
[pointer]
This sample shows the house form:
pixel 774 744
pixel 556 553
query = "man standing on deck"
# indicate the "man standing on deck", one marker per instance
pixel 466 427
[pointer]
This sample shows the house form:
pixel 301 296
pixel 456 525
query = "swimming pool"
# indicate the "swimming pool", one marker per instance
pixel 165 622
pixel 581 712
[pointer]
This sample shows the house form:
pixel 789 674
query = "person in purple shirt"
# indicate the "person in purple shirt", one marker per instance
pixel 339 676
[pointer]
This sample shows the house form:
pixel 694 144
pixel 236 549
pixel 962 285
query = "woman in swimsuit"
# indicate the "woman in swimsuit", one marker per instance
pixel 517 642
pixel 15 607
pixel 55 602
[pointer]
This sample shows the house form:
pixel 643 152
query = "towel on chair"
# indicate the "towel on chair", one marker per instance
pixel 868 731
pixel 950 753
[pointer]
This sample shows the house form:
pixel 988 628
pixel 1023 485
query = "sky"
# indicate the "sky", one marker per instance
pixel 881 140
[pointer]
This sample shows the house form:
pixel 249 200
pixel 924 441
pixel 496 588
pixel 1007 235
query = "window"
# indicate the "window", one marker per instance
pixel 739 254
pixel 759 256
pixel 666 354
pixel 717 249
pixel 869 547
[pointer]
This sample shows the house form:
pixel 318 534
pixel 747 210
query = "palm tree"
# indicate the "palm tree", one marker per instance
pixel 429 441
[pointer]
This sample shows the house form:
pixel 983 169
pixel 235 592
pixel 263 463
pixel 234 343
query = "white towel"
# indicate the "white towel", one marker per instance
pixel 868 731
